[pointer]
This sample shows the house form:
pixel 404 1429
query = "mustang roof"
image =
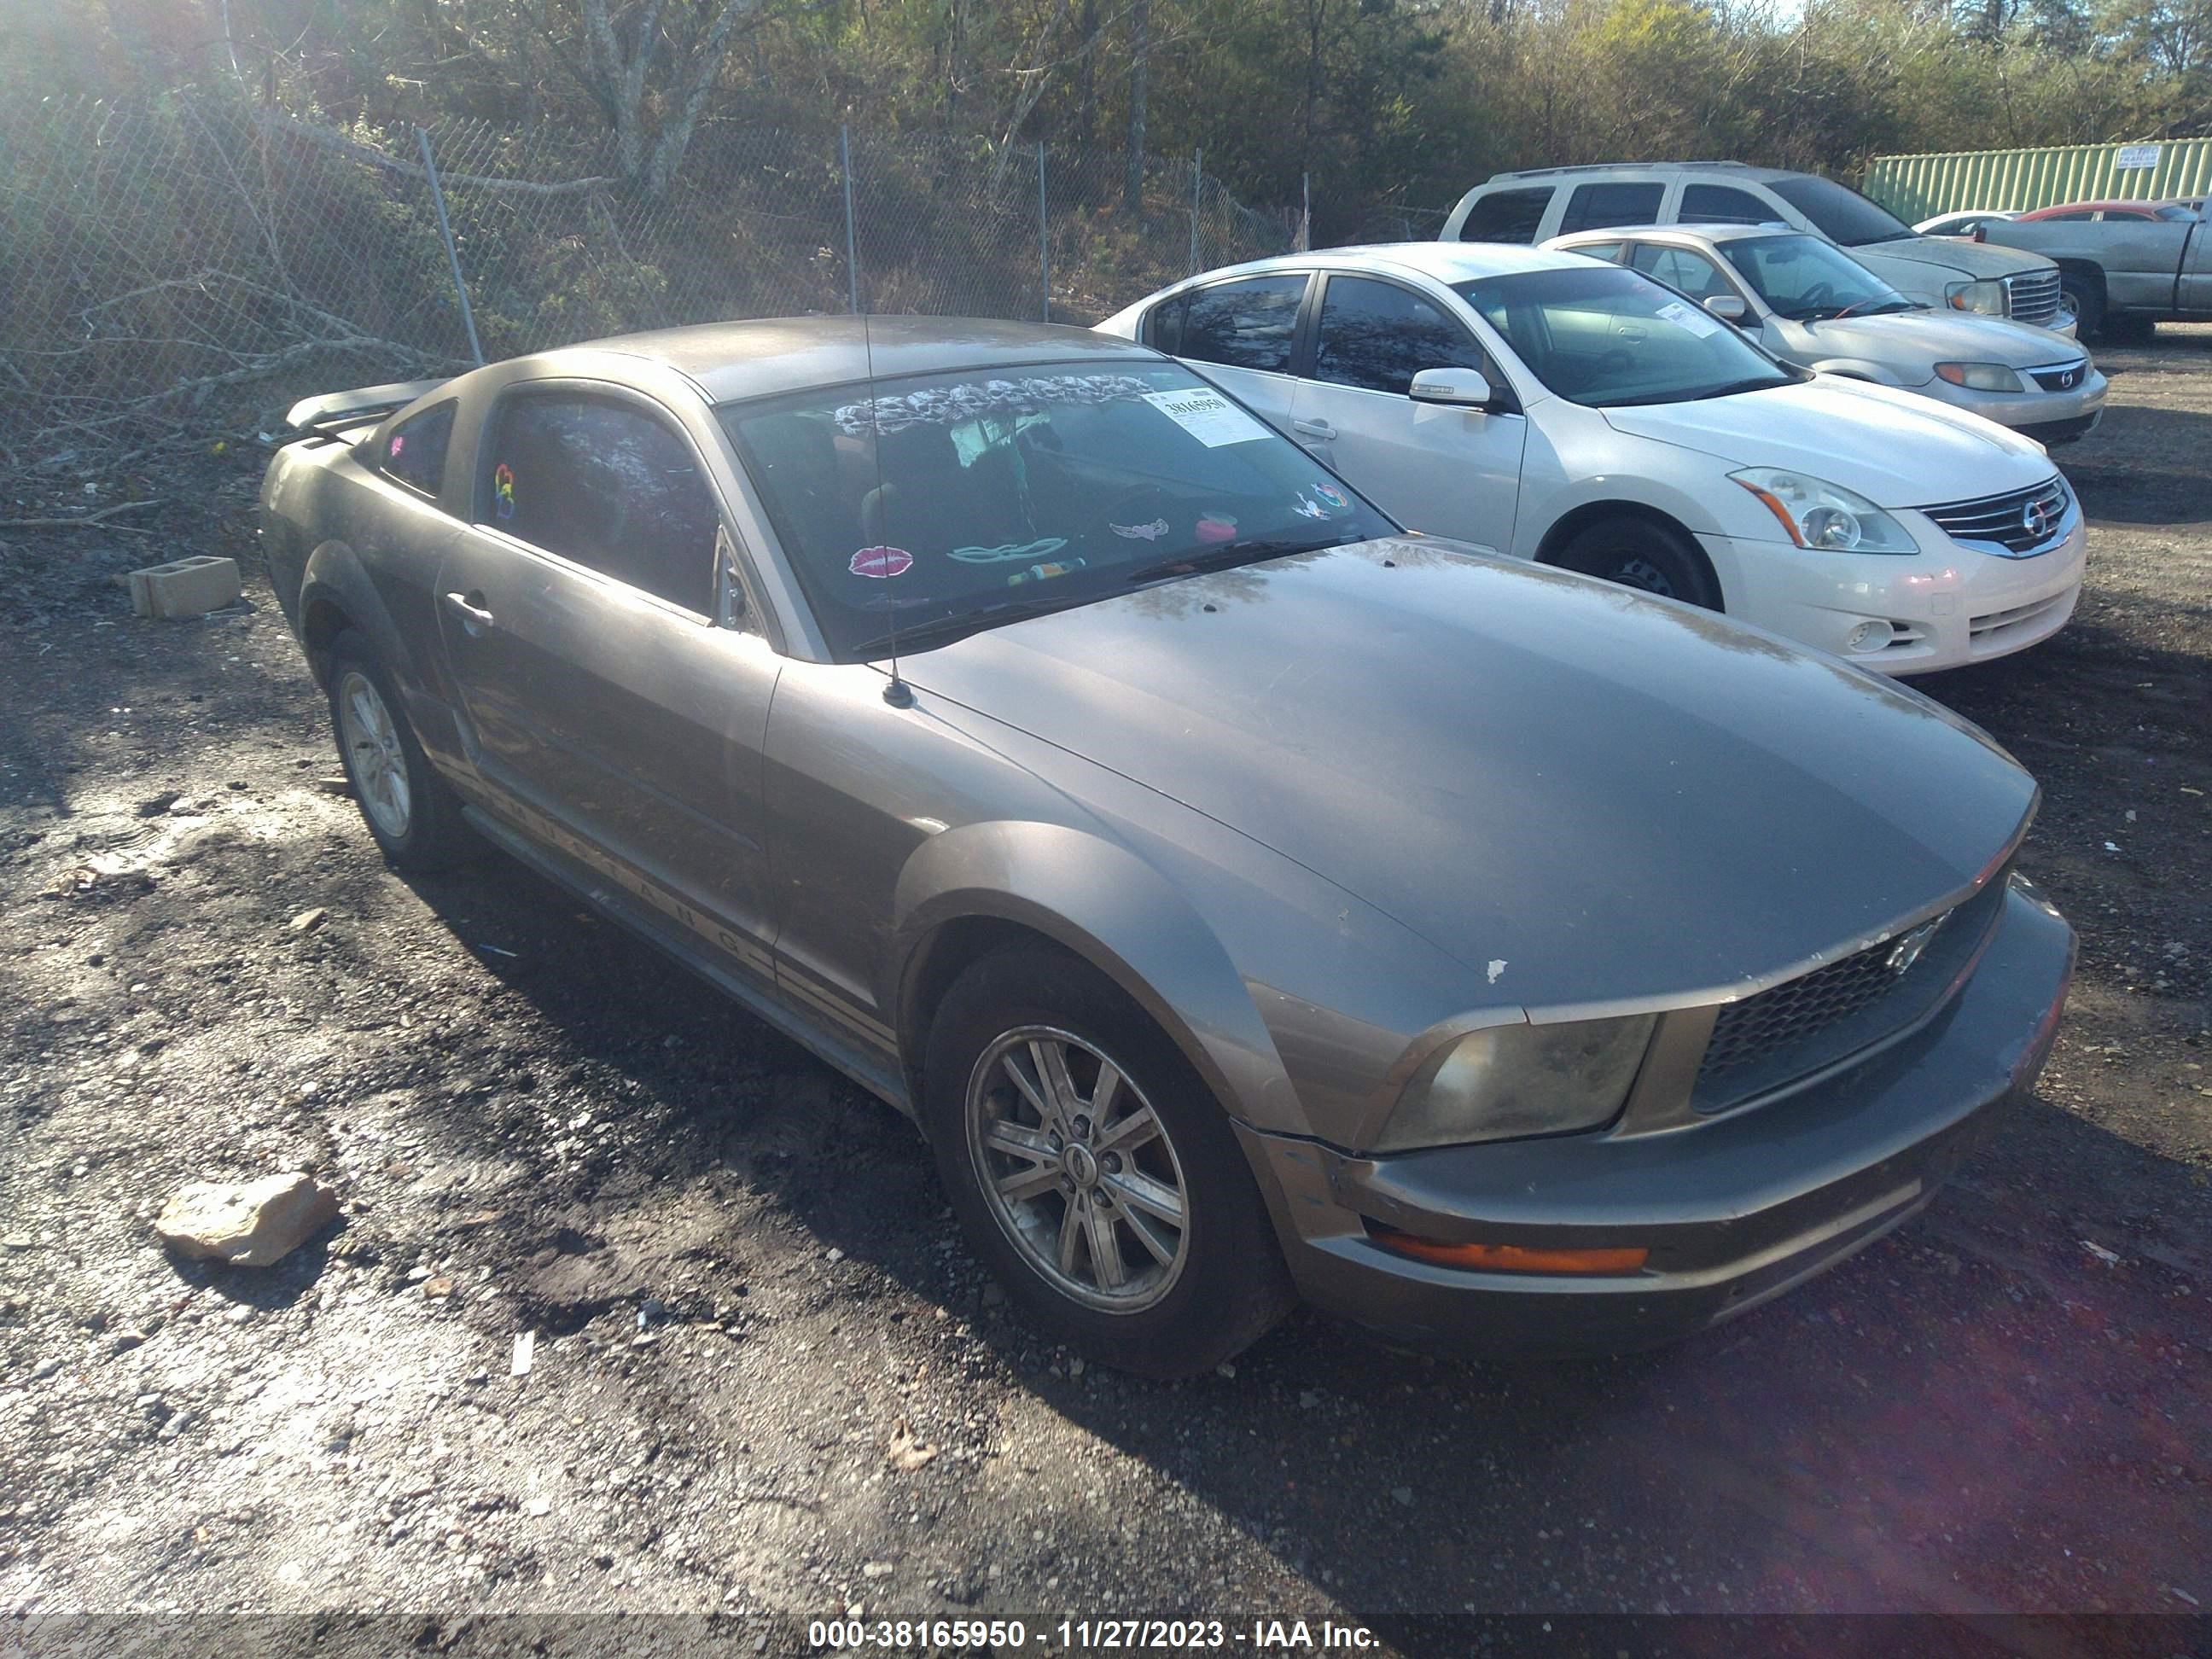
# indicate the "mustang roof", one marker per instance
pixel 734 361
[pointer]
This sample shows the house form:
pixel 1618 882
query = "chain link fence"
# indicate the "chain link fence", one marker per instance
pixel 192 264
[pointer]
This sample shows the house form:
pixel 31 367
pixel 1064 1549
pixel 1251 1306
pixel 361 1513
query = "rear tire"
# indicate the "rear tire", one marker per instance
pixel 412 813
pixel 1641 554
pixel 1120 1214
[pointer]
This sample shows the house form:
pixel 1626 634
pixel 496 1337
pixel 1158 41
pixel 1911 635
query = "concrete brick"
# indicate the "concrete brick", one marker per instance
pixel 185 587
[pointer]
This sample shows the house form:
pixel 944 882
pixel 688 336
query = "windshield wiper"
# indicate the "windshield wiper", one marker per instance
pixel 942 630
pixel 1226 557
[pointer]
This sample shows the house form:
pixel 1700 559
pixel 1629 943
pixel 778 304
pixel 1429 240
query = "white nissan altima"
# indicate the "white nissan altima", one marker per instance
pixel 1551 407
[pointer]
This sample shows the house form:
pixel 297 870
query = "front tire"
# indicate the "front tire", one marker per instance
pixel 1641 554
pixel 2088 299
pixel 412 813
pixel 1094 1172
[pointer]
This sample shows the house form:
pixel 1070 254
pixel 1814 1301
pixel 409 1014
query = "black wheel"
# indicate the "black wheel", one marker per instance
pixel 1094 1172
pixel 411 812
pixel 2087 298
pixel 1639 553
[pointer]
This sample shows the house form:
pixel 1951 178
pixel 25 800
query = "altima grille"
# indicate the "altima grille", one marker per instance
pixel 2061 377
pixel 2023 522
pixel 2035 297
pixel 1750 1030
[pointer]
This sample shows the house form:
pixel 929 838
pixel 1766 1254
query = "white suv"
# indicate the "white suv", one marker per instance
pixel 1535 207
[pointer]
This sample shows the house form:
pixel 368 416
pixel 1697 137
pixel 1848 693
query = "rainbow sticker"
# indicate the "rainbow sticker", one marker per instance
pixel 502 489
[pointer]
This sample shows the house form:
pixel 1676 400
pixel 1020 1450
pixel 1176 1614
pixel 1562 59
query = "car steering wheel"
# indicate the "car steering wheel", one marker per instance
pixel 1819 294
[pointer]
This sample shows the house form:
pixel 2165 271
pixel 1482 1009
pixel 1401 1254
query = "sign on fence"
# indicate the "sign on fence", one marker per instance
pixel 2136 158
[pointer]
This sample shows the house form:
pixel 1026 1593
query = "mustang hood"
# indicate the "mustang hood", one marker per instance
pixel 1585 794
pixel 1894 448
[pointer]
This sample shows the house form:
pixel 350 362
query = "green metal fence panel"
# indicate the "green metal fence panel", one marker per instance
pixel 1916 187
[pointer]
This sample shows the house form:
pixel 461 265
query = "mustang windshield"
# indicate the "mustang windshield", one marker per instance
pixel 943 504
pixel 1804 278
pixel 1605 337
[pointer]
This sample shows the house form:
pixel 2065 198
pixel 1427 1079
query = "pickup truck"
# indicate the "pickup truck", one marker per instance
pixel 2129 272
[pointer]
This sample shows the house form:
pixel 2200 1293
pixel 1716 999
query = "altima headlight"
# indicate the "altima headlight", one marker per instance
pixel 1519 1080
pixel 1823 515
pixel 1987 297
pixel 1980 377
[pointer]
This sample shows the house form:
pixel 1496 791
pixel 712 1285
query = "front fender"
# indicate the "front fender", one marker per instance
pixel 1100 901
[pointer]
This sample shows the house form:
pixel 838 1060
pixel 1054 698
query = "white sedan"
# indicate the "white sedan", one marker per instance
pixel 1550 407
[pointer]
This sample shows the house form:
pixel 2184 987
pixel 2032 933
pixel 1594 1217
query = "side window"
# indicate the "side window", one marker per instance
pixel 607 485
pixel 1377 335
pixel 1506 216
pixel 2063 218
pixel 1681 267
pixel 1247 324
pixel 1163 328
pixel 1608 252
pixel 415 452
pixel 1595 207
pixel 1722 204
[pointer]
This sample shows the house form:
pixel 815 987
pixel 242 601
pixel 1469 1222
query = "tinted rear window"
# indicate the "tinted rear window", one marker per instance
pixel 1601 207
pixel 1506 216
pixel 1722 204
pixel 1838 213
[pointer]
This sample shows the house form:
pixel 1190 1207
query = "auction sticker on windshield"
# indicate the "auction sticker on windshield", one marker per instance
pixel 1208 416
pixel 1688 317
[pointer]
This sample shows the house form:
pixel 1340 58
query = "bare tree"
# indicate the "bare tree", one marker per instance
pixel 615 70
pixel 1140 68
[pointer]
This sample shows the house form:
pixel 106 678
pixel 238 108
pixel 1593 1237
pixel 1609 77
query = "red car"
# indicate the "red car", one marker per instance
pixel 2113 211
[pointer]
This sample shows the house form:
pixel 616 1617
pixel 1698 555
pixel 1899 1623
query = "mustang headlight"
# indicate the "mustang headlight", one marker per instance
pixel 1980 377
pixel 1988 297
pixel 1519 1080
pixel 1823 515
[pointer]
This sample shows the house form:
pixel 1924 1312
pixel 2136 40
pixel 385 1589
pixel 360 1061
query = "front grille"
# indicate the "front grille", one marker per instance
pixel 2035 297
pixel 1749 1032
pixel 2023 522
pixel 2065 377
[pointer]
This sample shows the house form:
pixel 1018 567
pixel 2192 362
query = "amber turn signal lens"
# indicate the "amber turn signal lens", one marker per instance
pixel 1510 1258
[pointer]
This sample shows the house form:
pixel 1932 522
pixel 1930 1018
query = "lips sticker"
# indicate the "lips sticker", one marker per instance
pixel 881 563
pixel 1217 527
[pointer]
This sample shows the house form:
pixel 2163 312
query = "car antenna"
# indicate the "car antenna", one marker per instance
pixel 896 692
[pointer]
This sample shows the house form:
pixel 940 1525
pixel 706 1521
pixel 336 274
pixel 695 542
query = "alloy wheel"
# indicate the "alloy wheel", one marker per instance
pixel 378 765
pixel 1077 1169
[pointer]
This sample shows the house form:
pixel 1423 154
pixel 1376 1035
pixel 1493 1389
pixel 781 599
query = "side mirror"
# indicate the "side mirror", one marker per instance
pixel 1728 307
pixel 1462 388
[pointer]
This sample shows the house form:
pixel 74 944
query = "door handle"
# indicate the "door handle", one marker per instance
pixel 1314 428
pixel 473 611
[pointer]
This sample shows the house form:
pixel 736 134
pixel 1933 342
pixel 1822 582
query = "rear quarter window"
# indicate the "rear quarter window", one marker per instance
pixel 1506 216
pixel 414 451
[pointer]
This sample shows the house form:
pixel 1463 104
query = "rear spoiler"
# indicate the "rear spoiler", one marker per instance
pixel 335 412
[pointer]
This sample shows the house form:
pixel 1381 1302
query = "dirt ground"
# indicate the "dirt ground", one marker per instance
pixel 753 1316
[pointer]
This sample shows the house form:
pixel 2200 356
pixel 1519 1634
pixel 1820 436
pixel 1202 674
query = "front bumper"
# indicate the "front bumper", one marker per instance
pixel 1946 606
pixel 1734 1210
pixel 2064 414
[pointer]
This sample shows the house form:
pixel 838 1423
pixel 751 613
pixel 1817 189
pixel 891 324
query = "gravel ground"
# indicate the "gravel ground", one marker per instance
pixel 767 1376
